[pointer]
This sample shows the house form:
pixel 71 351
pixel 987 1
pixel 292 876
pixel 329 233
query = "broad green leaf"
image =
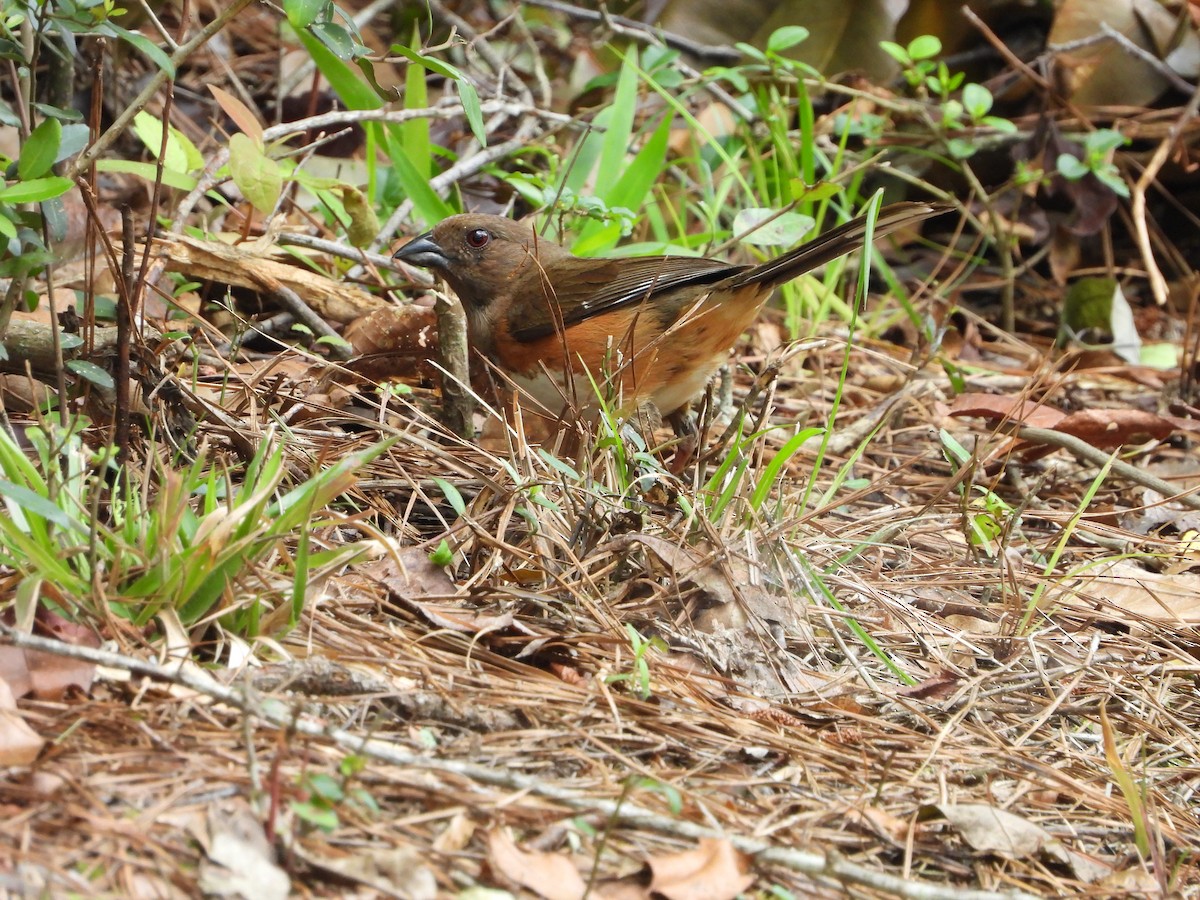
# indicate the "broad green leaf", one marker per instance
pixel 977 99
pixel 302 13
pixel 784 230
pixel 57 112
pixel 339 41
pixel 257 176
pixel 786 37
pixel 176 158
pixel 91 372
pixel 40 150
pixel 74 138
pixel 345 83
pixel 36 190
pixel 925 46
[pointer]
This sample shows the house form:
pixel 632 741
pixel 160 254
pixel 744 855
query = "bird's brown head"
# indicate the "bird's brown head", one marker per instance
pixel 483 258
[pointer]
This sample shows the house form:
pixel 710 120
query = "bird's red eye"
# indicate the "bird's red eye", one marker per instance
pixel 478 238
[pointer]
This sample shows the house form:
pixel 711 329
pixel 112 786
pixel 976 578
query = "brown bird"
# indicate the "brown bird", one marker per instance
pixel 646 329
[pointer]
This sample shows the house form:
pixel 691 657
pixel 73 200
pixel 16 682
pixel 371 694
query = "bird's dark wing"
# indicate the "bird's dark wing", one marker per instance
pixel 582 291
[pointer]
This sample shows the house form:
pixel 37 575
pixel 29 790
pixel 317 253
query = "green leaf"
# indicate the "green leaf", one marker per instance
pixel 149 171
pixel 619 127
pixel 896 52
pixel 977 100
pixel 786 37
pixel 34 503
pixel 91 372
pixel 37 190
pixel 339 41
pixel 40 150
pixel 453 497
pixel 345 83
pixel 302 13
pixel 784 230
pixel 416 131
pixel 142 43
pixel 1070 167
pixel 925 46
pixel 434 65
pixel 257 176
pixel 176 157
pixel 57 112
pixel 443 555
pixel 471 109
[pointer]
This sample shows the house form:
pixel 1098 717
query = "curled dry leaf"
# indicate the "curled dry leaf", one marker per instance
pixel 989 829
pixel 712 871
pixel 550 875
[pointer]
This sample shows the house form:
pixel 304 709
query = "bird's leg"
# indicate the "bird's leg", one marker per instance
pixel 683 423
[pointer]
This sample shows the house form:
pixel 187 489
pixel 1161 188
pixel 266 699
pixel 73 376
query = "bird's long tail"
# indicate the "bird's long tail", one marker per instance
pixel 835 243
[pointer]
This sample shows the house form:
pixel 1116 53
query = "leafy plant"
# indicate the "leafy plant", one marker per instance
pixel 638 678
pixel 75 521
pixel 1098 148
pixel 325 795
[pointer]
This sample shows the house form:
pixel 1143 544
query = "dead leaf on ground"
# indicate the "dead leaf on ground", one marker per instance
pixel 551 875
pixel 989 829
pixel 712 871
pixel 19 744
pixel 409 574
pixel 1124 592
pixel 238 860
pixel 402 871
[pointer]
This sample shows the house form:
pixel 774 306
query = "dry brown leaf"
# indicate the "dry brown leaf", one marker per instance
pixel 409 574
pixel 233 265
pixel 1005 408
pixel 712 871
pixel 551 875
pixel 989 829
pixel 401 871
pixel 1109 428
pixel 879 821
pixel 238 858
pixel 1123 591
pixel 19 744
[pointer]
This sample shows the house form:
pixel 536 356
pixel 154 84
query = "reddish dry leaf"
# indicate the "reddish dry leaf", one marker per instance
pixel 551 875
pixel 712 871
pixel 934 687
pixel 48 676
pixel 1109 428
pixel 1002 408
pixel 880 822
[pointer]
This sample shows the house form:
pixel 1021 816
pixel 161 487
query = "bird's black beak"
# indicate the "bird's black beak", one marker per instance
pixel 422 251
